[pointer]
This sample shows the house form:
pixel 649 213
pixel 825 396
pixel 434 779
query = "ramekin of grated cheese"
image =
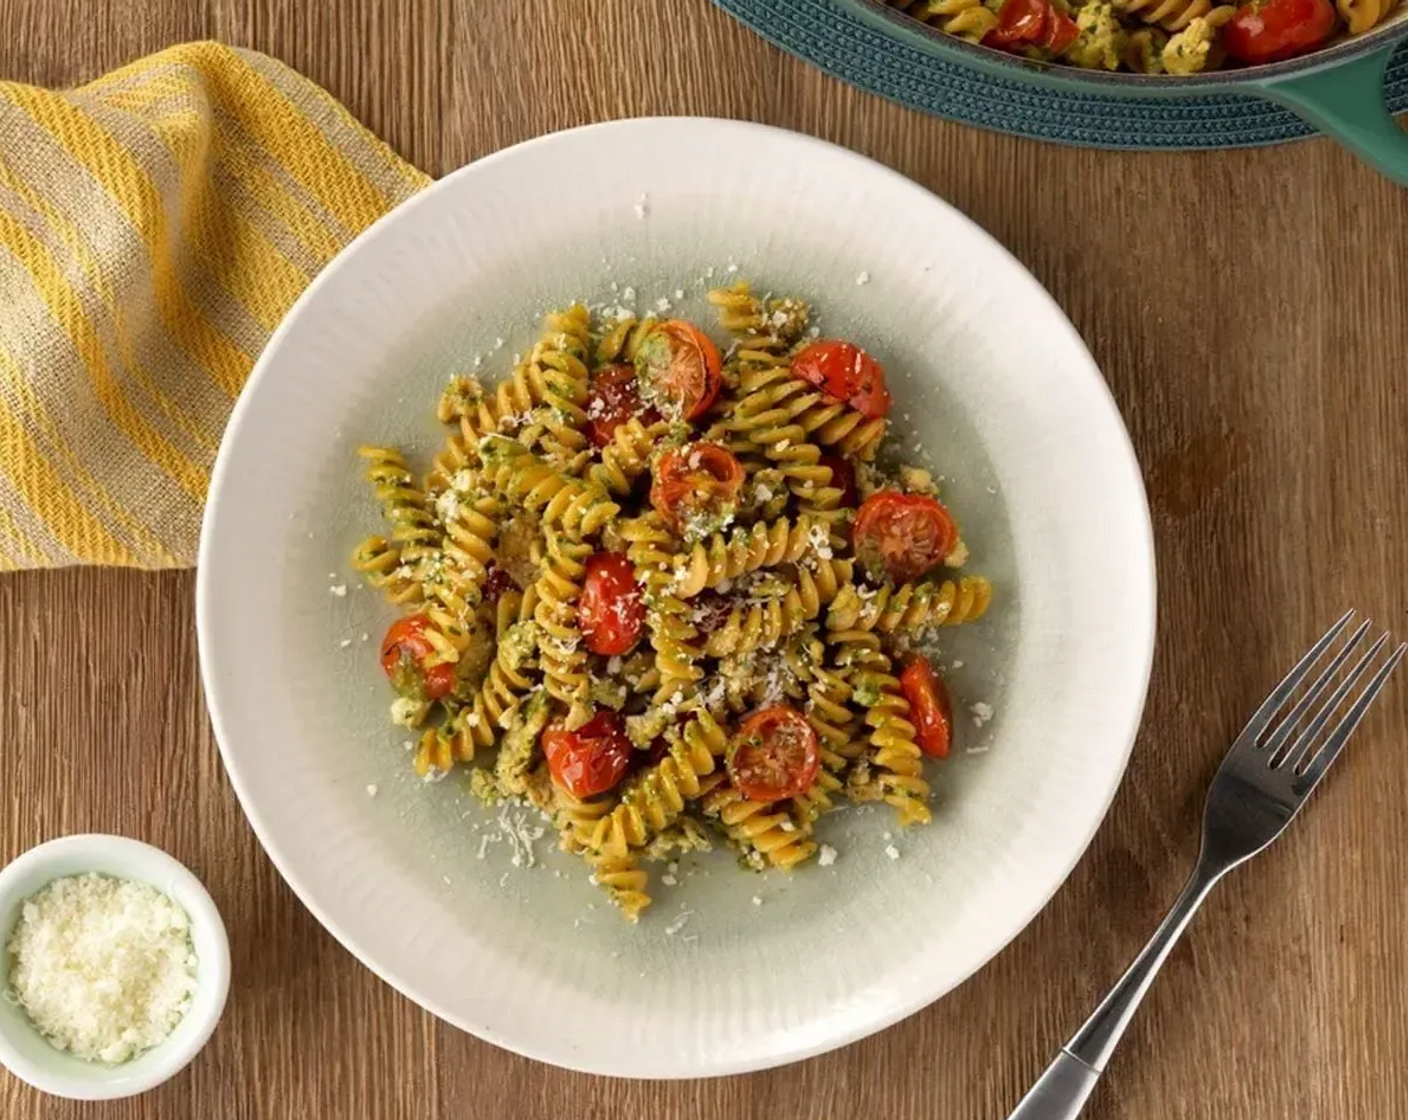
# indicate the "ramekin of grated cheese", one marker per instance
pixel 114 967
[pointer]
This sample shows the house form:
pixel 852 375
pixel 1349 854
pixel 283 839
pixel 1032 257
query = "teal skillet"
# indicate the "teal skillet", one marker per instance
pixel 1339 90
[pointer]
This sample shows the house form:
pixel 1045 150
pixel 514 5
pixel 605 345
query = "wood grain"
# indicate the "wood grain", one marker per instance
pixel 1246 308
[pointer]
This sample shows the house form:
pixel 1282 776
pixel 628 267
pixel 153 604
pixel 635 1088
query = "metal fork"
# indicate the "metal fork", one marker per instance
pixel 1266 777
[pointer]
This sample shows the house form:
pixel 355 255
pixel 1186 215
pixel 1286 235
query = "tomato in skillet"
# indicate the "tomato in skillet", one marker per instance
pixel 1032 23
pixel 1272 30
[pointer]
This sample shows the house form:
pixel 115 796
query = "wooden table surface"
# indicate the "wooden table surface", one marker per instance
pixel 1247 309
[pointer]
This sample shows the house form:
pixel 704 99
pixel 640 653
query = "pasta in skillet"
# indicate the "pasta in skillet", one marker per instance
pixel 1175 37
pixel 666 595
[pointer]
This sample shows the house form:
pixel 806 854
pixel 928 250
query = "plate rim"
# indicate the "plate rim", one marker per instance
pixel 1131 719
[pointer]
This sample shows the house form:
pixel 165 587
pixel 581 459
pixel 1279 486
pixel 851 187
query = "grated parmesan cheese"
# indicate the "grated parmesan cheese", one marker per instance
pixel 826 856
pixel 103 967
pixel 981 713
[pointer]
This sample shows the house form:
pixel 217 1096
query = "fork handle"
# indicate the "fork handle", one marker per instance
pixel 1061 1092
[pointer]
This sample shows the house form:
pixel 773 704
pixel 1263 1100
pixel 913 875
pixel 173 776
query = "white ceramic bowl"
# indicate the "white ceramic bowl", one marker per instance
pixel 987 373
pixel 25 1052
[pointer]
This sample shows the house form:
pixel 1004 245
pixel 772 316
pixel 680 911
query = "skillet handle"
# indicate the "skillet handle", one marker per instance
pixel 1347 102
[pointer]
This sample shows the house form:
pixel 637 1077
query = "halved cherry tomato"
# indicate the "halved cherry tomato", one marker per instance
pixel 698 480
pixel 901 536
pixel 1061 32
pixel 930 709
pixel 497 582
pixel 1272 30
pixel 611 612
pixel 1035 23
pixel 774 755
pixel 845 372
pixel 678 369
pixel 591 759
pixel 613 399
pixel 843 477
pixel 403 654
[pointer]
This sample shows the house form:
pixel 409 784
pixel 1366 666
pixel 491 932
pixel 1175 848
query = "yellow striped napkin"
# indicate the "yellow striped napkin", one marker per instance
pixel 155 226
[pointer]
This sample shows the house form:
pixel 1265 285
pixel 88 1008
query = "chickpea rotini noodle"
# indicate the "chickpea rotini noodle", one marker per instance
pixel 627 456
pixel 381 566
pixel 453 578
pixel 966 19
pixel 723 557
pixel 413 528
pixel 570 640
pixel 912 606
pixel 652 804
pixel 563 658
pixel 620 338
pixel 767 830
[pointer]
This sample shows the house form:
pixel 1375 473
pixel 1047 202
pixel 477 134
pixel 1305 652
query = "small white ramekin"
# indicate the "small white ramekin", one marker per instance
pixel 26 1053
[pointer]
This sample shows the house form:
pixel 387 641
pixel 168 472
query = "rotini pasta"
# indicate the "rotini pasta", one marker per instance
pixel 563 658
pixel 380 563
pixel 621 338
pixel 967 19
pixel 912 606
pixel 721 559
pixel 895 754
pixel 1364 15
pixel 651 804
pixel 659 594
pixel 626 457
pixel 762 828
pixel 577 507
pixel 414 530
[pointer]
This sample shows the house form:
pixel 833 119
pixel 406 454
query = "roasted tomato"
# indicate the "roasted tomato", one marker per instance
pixel 930 709
pixel 678 369
pixel 612 400
pixel 591 759
pixel 1032 23
pixel 610 609
pixel 899 536
pixel 1272 30
pixel 695 486
pixel 845 372
pixel 404 651
pixel 774 755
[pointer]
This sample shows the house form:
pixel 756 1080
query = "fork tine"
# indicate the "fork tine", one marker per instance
pixel 1300 749
pixel 1287 727
pixel 1327 754
pixel 1282 692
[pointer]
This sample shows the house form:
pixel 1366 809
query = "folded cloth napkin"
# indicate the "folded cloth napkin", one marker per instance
pixel 155 226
